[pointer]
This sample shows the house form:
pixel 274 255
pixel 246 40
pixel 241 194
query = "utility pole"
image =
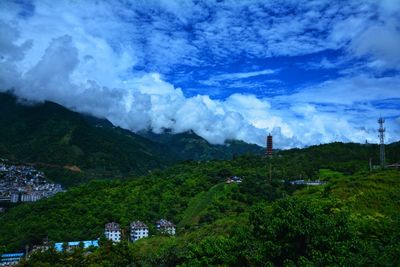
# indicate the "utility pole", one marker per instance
pixel 381 131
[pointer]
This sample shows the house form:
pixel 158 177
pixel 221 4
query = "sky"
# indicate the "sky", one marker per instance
pixel 308 72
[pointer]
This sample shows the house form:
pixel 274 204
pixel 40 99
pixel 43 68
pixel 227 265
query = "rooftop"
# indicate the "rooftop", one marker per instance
pixel 12 255
pixel 165 223
pixel 112 226
pixel 138 225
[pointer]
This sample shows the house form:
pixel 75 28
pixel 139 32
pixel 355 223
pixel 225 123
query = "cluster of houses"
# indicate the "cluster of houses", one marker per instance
pixel 112 231
pixel 138 230
pixel 24 184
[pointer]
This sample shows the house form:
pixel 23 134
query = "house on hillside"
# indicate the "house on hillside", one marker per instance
pixel 112 231
pixel 234 179
pixel 138 230
pixel 165 227
pixel 10 259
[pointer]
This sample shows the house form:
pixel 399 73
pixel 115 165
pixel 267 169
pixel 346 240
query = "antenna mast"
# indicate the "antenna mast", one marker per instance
pixel 381 131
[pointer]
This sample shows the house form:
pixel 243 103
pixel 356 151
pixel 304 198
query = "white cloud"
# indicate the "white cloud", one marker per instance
pixel 86 62
pixel 348 90
pixel 242 75
pixel 203 34
pixel 8 49
pixel 381 43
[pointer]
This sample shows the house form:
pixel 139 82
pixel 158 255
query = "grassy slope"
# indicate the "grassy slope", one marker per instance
pixel 200 202
pixel 374 194
pixel 373 201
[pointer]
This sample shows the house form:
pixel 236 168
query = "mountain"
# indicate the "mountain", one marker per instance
pixel 351 220
pixel 189 146
pixel 51 136
pixel 72 147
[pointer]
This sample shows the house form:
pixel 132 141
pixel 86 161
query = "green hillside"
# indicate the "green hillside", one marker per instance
pixel 352 220
pixel 82 211
pixel 73 148
pixel 198 205
pixel 51 136
pixel 189 146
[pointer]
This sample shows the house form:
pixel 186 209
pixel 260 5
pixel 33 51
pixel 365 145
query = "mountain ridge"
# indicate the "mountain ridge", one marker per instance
pixel 52 136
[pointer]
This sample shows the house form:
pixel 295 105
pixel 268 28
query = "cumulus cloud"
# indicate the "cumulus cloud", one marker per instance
pixel 111 60
pixel 8 49
pixel 381 43
pixel 348 90
pixel 145 102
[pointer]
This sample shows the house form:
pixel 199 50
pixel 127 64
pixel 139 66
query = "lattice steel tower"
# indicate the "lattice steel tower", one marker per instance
pixel 381 131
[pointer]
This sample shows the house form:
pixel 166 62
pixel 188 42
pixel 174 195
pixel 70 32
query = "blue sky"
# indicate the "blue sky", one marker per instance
pixel 309 72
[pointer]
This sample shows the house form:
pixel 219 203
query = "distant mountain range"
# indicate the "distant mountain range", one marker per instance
pixel 189 146
pixel 81 147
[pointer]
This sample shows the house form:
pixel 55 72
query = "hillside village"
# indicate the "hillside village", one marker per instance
pixel 112 232
pixel 24 184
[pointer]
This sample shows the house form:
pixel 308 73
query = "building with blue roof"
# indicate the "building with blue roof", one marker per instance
pixel 10 259
pixel 75 244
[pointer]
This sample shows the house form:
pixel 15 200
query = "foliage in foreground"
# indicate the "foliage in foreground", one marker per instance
pixel 300 231
pixel 352 220
pixel 332 225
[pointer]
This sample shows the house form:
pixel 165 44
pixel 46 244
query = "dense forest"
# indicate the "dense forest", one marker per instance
pixel 351 220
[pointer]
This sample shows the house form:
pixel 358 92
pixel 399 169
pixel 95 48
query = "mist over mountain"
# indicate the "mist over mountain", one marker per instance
pixel 51 136
pixel 224 70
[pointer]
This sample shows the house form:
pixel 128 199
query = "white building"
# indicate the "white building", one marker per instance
pixel 166 227
pixel 10 259
pixel 14 197
pixel 138 230
pixel 32 197
pixel 113 232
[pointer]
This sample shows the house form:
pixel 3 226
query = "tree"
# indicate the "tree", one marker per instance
pixel 304 230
